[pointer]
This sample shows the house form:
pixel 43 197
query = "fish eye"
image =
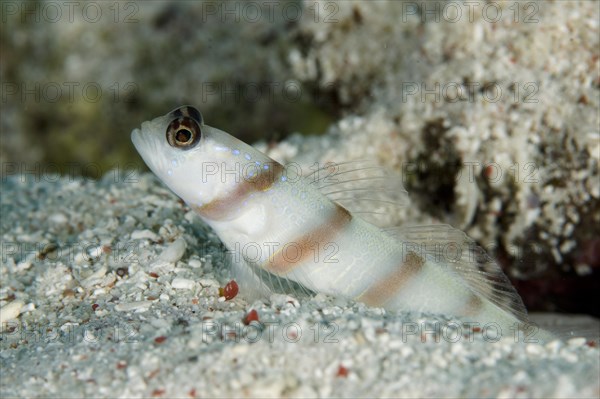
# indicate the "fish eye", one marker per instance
pixel 189 111
pixel 183 132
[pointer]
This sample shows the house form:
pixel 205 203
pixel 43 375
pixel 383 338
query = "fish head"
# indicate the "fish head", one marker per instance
pixel 197 162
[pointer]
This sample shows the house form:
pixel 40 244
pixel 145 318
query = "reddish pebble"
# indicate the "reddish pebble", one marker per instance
pixel 160 340
pixel 230 291
pixel 490 172
pixel 121 365
pixel 476 329
pixel 95 306
pixel 250 317
pixel 158 392
pixel 342 371
pixel 192 393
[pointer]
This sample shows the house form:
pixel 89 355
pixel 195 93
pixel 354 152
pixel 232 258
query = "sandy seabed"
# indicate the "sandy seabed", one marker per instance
pixel 119 296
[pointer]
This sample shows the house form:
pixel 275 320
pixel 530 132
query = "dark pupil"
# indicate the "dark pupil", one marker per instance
pixel 183 135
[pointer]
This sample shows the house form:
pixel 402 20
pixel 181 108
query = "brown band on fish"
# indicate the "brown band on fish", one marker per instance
pixel 281 262
pixel 384 290
pixel 220 208
pixel 473 305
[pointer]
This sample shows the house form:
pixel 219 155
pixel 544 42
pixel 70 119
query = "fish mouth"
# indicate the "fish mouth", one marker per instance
pixel 142 140
pixel 143 143
pixel 149 148
pixel 137 138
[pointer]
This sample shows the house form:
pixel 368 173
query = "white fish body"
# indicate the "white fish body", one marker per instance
pixel 291 232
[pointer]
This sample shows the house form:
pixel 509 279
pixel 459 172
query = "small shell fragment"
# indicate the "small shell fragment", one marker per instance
pixel 182 283
pixel 10 312
pixel 144 234
pixel 173 252
pixel 130 306
pixel 94 278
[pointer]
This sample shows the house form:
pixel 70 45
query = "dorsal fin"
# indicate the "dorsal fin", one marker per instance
pixel 467 260
pixel 364 188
